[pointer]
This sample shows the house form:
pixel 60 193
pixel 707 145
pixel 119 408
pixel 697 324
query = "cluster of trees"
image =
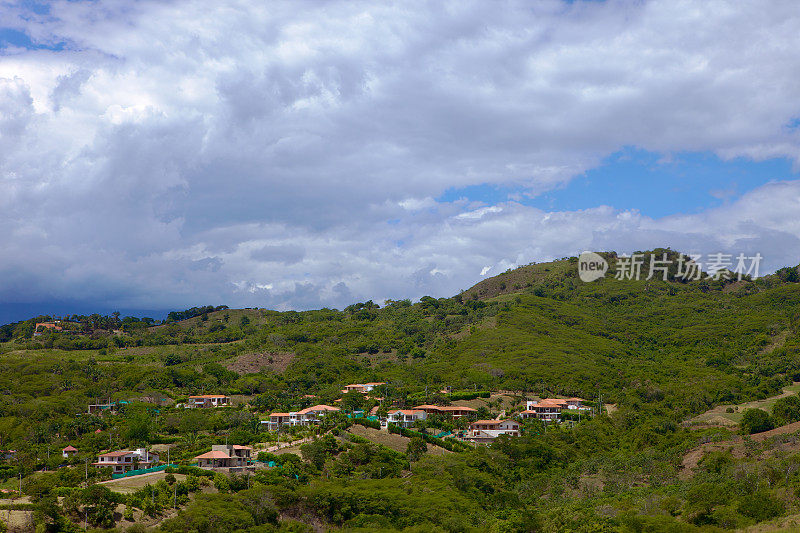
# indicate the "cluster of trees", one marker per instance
pixel 785 411
pixel 175 316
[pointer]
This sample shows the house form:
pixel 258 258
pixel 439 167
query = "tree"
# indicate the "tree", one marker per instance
pixel 761 506
pixel 318 451
pixel 352 401
pixel 259 502
pixel 99 505
pixel 211 513
pixel 755 421
pixel 191 424
pixel 786 410
pixel 416 448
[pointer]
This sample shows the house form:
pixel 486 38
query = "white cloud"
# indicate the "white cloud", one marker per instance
pixel 178 153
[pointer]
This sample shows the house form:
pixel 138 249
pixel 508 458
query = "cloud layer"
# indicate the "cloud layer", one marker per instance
pixel 290 154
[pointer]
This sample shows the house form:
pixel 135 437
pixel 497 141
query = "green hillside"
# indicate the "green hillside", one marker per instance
pixel 661 351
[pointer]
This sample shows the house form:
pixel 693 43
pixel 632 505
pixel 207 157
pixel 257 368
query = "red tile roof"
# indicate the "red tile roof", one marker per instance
pixel 215 454
pixel 120 453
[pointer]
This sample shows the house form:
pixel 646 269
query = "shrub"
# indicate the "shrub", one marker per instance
pixel 755 421
pixel 761 506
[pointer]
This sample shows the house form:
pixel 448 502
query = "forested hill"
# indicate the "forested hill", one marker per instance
pixel 653 344
pixel 661 351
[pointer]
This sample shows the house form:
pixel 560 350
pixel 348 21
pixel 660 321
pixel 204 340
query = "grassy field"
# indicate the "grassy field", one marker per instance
pixel 390 440
pixel 128 485
pixel 720 416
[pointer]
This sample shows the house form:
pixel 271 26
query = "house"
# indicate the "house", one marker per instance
pixel 69 451
pixel 305 417
pixel 124 460
pixel 406 417
pixel 363 388
pixel 455 411
pixel 208 400
pixel 575 403
pixel 231 457
pixel 429 409
pixel 8 455
pixel 96 408
pixel 569 403
pixel 547 410
pixel 488 430
pixel 276 420
pixel 52 326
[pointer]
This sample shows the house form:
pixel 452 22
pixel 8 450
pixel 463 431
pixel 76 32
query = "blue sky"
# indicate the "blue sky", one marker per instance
pixel 654 184
pixel 162 155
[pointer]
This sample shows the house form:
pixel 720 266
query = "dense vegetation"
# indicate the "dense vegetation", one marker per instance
pixel 661 351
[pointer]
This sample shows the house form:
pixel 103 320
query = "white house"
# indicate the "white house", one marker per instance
pixel 406 417
pixel 488 430
pixel 69 451
pixel 362 387
pixel 304 417
pixel 126 460
pixel 208 400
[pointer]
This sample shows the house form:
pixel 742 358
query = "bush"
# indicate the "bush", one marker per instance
pixel 755 421
pixel 761 506
pixel 374 424
pixel 786 410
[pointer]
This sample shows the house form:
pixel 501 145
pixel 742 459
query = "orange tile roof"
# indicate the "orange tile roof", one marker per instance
pixel 457 408
pixel 70 448
pixel 214 454
pixel 208 396
pixel 115 454
pixel 320 407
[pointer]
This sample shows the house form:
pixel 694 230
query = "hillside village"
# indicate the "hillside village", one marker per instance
pixel 496 409
pixel 465 421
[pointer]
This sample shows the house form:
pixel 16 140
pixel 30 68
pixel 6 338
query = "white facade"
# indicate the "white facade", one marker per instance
pixel 125 460
pixel 406 417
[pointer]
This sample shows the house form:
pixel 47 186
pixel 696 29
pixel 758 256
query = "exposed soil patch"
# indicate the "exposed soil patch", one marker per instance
pixel 251 363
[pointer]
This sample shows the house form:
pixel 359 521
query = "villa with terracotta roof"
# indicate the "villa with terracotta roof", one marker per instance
pixel 363 388
pixel 52 326
pixel 125 460
pixel 406 417
pixel 8 455
pixel 208 400
pixel 69 451
pixel 549 409
pixel 230 457
pixel 456 411
pixel 304 417
pixel 488 430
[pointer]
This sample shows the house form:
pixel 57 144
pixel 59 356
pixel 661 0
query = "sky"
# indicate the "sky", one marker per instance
pixel 158 155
